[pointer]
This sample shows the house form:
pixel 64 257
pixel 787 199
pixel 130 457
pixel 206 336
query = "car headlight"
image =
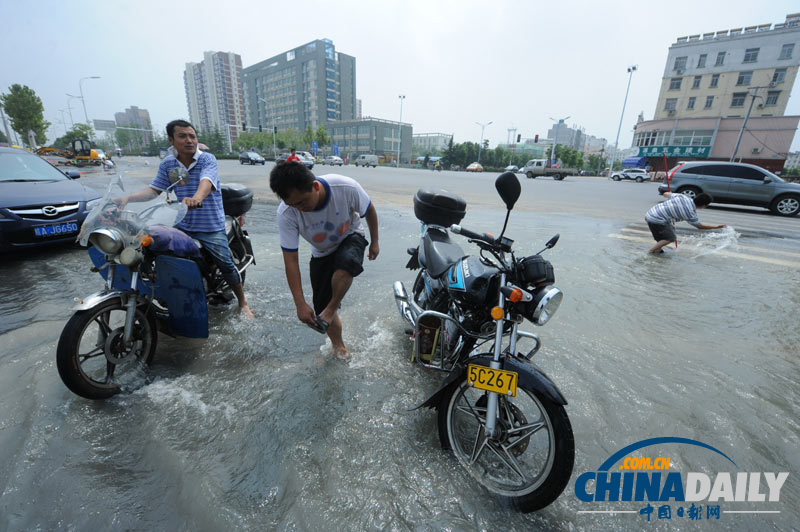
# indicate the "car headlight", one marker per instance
pixel 91 204
pixel 546 301
pixel 107 240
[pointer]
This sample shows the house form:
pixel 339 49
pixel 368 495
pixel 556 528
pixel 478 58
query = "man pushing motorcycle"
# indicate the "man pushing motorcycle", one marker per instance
pixel 326 211
pixel 205 221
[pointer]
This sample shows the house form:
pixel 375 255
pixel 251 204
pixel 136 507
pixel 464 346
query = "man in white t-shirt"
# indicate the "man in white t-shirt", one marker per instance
pixel 326 211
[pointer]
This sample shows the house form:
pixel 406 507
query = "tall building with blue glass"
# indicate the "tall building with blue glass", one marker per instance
pixel 307 86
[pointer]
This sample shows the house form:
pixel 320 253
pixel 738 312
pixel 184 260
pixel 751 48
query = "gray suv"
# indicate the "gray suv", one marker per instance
pixel 738 183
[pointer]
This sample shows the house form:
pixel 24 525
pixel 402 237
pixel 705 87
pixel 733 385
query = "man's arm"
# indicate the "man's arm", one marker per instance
pixel 372 222
pixel 703 226
pixel 203 190
pixel 145 194
pixel 291 264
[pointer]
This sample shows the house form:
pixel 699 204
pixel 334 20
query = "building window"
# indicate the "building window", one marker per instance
pixel 696 82
pixel 675 84
pixel 714 81
pixel 751 55
pixel 786 51
pixel 680 63
pixel 745 78
pixel 779 76
pixel 690 105
pixel 290 55
pixel 720 59
pixel 671 104
pixel 701 62
pixel 709 102
pixel 738 99
pixel 772 97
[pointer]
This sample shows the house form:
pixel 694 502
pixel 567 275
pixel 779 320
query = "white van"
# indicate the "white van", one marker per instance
pixel 367 160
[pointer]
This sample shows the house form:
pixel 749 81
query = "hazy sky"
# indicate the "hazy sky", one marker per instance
pixel 516 63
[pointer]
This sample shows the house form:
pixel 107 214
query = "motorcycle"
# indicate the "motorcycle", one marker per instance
pixel 502 416
pixel 157 278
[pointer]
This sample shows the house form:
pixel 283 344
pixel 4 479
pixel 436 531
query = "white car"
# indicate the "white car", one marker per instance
pixel 511 168
pixel 635 174
pixel 332 160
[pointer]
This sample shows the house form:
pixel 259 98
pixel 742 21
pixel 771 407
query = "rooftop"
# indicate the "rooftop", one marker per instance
pixel 792 22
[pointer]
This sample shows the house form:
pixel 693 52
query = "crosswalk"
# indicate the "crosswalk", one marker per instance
pixel 762 238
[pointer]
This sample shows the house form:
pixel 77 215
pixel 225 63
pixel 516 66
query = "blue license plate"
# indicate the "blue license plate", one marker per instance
pixel 56 229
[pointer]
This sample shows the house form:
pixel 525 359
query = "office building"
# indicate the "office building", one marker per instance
pixel 136 118
pixel 310 85
pixel 372 136
pixel 214 94
pixel 431 141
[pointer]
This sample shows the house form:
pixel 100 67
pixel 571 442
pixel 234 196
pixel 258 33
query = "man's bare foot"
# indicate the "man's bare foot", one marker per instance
pixel 246 313
pixel 341 352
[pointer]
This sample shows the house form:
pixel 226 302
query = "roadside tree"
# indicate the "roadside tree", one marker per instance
pixel 26 112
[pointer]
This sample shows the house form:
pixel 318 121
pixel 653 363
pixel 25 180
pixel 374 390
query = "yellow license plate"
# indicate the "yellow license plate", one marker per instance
pixel 492 380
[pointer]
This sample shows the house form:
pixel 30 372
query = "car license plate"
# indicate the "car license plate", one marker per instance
pixel 492 380
pixel 56 229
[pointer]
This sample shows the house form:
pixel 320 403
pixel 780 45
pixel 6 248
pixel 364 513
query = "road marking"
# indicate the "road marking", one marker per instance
pixel 752 248
pixel 733 254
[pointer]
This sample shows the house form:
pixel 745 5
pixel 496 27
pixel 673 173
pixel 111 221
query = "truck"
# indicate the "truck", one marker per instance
pixel 539 167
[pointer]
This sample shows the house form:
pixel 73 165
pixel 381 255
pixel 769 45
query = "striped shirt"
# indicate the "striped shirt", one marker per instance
pixel 677 208
pixel 211 216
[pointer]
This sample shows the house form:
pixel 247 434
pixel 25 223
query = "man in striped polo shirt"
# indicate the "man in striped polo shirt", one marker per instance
pixel 205 220
pixel 678 207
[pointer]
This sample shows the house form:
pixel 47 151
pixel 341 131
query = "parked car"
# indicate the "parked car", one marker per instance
pixel 306 158
pixel 39 204
pixel 511 168
pixel 475 167
pixel 634 174
pixel 736 183
pixel 332 160
pixel 251 157
pixel 541 167
pixel 367 160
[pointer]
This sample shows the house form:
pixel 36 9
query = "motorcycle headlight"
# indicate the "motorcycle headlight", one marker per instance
pixel 130 257
pixel 545 303
pixel 91 204
pixel 107 240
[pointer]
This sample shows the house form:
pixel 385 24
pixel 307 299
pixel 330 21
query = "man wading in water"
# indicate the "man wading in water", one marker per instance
pixel 678 207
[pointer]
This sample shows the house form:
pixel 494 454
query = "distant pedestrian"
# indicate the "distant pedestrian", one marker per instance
pixel 678 207
pixel 293 157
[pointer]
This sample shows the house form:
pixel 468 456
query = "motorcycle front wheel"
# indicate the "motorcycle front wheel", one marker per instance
pixel 91 356
pixel 529 461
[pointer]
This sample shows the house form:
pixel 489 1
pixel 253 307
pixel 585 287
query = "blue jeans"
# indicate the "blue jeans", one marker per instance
pixel 216 243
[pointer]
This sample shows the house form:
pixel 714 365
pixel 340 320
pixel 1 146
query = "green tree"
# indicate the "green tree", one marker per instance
pixel 79 131
pixel 308 137
pixel 322 137
pixel 216 141
pixel 26 112
pixel 129 140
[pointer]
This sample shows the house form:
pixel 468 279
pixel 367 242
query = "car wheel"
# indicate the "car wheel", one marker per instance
pixel 786 205
pixel 616 178
pixel 530 175
pixel 692 192
pixel 241 162
pixel 639 179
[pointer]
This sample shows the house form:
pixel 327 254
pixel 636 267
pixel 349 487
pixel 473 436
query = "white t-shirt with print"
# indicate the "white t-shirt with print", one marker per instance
pixel 325 228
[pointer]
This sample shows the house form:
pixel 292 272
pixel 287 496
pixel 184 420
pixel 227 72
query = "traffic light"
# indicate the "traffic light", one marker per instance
pixel 536 139
pixel 519 137
pixel 275 130
pixel 259 128
pixel 244 126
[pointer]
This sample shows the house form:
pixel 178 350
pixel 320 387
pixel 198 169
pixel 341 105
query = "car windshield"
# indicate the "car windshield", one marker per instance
pixel 22 166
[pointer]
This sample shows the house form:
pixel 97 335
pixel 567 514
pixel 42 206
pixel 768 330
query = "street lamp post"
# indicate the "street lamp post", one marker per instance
pixel 555 140
pixel 271 112
pixel 69 108
pixel 83 100
pixel 400 129
pixel 631 70
pixel 746 117
pixel 480 146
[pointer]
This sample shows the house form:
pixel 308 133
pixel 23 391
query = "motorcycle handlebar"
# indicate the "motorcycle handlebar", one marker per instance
pixel 457 229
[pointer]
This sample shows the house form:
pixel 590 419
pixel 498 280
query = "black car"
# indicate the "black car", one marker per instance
pixel 39 205
pixel 251 157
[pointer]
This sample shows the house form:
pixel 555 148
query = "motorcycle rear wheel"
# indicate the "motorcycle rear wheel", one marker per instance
pixel 91 358
pixel 530 461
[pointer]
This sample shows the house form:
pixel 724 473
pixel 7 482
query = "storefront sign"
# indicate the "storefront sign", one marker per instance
pixel 700 152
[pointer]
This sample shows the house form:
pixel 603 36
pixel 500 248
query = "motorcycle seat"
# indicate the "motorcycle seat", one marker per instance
pixel 438 253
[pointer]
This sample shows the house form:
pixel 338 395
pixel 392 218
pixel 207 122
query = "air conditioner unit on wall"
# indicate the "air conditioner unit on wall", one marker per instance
pixel 756 150
pixel 671 112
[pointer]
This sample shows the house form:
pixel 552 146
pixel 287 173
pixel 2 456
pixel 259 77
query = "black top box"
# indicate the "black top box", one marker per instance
pixel 236 199
pixel 439 207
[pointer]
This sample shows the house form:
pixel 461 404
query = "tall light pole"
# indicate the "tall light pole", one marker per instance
pixel 480 146
pixel 400 128
pixel 271 112
pixel 555 141
pixel 631 70
pixel 747 116
pixel 83 100
pixel 69 108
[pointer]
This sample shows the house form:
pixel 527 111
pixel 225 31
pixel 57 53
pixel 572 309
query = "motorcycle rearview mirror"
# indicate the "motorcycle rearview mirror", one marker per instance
pixel 177 176
pixel 551 243
pixel 508 187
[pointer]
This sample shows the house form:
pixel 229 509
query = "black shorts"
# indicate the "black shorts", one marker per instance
pixel 662 232
pixel 349 256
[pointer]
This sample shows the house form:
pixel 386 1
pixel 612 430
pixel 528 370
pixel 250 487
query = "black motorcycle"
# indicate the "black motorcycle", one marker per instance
pixel 502 417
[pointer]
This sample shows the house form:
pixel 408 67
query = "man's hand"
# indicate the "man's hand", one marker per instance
pixel 192 203
pixel 374 249
pixel 121 202
pixel 306 314
pixel 723 226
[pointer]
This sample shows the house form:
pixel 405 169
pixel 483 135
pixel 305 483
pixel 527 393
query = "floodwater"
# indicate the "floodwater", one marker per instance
pixel 259 428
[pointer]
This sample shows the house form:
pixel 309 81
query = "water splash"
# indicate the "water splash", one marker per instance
pixel 712 241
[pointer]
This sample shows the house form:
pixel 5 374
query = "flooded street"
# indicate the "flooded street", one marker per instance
pixel 260 428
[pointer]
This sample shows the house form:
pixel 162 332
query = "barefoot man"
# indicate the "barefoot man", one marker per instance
pixel 326 211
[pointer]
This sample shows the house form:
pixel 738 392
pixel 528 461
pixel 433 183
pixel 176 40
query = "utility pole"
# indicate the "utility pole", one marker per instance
pixel 400 129
pixel 480 146
pixel 631 70
pixel 747 116
pixel 5 125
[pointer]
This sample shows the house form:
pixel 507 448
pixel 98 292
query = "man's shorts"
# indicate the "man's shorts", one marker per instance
pixel 662 231
pixel 349 256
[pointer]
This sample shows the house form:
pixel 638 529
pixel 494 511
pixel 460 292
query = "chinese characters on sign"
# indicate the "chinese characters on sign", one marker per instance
pixel 693 513
pixel 675 151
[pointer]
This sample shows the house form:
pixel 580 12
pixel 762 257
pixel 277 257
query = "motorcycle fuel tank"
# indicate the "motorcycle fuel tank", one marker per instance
pixel 469 280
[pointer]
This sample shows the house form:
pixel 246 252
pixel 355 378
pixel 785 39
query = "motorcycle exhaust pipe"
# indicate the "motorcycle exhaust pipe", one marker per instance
pixel 408 309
